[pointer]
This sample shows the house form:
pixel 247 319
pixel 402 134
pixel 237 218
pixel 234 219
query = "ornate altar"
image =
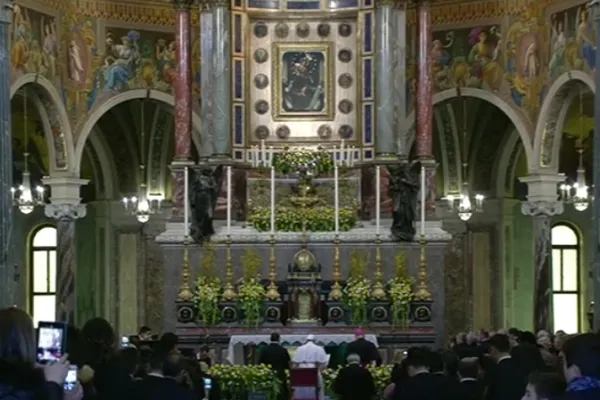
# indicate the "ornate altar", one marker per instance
pixel 304 288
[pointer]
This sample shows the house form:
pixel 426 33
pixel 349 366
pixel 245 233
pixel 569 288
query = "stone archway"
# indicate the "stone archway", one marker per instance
pixel 521 125
pixel 548 132
pixel 84 132
pixel 55 119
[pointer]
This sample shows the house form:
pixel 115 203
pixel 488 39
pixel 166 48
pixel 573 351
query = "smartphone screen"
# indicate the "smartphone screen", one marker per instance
pixel 207 383
pixel 71 379
pixel 51 341
pixel 124 341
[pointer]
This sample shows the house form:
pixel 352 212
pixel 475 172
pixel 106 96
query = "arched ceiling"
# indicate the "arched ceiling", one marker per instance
pixel 579 124
pixel 477 128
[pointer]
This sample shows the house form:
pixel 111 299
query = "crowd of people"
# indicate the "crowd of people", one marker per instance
pixel 505 365
pixel 107 369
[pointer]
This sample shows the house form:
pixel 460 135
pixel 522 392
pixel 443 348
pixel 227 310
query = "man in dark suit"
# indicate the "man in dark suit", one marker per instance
pixel 163 380
pixel 420 385
pixel 440 376
pixel 367 351
pixel 469 387
pixel 581 366
pixel 505 379
pixel 354 382
pixel 278 358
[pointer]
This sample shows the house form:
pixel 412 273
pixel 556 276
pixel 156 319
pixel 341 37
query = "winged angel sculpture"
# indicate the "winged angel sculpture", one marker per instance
pixel 404 190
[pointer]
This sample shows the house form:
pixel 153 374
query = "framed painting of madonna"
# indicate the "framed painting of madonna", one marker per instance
pixel 302 84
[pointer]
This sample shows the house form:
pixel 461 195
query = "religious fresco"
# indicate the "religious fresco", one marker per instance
pixel 80 54
pixel 34 43
pixel 36 146
pixel 133 59
pixel 572 41
pixel 470 57
pixel 525 52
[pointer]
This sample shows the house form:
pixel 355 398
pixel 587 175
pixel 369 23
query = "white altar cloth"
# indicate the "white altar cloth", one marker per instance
pixel 322 339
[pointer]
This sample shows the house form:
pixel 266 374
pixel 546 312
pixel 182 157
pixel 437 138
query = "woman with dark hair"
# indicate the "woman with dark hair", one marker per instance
pixel 20 379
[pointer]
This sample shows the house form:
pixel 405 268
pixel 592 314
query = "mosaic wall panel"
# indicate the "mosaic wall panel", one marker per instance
pixel 303 81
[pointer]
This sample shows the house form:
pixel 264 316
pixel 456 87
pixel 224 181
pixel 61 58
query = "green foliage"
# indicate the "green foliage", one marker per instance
pixel 291 219
pixel 291 161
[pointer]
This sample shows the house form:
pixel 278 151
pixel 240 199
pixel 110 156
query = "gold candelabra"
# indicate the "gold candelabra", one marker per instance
pixel 185 292
pixel 336 288
pixel 228 291
pixel 378 290
pixel 423 293
pixel 272 290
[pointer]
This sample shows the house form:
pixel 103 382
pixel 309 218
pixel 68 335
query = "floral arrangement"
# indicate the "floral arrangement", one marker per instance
pixel 313 162
pixel 358 288
pixel 400 292
pixel 207 291
pixel 236 381
pixel 251 291
pixel 290 219
pixel 206 299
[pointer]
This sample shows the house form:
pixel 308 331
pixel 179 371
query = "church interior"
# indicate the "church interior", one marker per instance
pixel 116 106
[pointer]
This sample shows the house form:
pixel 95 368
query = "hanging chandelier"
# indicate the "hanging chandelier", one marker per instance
pixel 143 205
pixel 577 193
pixel 25 197
pixel 461 202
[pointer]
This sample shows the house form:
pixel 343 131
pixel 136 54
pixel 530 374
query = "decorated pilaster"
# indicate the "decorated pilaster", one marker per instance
pixel 542 205
pixel 8 294
pixel 385 147
pixel 206 79
pixel 424 101
pixel 183 101
pixel 595 4
pixel 221 89
pixel 65 207
pixel 399 62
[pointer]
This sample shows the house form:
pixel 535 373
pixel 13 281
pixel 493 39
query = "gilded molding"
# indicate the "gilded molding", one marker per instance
pixel 183 4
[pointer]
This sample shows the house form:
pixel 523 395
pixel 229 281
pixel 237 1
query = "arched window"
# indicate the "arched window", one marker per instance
pixel 43 274
pixel 565 278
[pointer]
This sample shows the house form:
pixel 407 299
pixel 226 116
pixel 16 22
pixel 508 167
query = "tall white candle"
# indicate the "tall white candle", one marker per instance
pixel 336 191
pixel 423 196
pixel 263 150
pixel 272 200
pixel 186 200
pixel 229 200
pixel 377 198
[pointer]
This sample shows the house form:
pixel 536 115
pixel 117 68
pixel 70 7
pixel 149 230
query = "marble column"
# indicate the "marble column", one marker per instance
pixel 596 188
pixel 221 52
pixel 8 294
pixel 384 77
pixel 182 88
pixel 66 262
pixel 399 62
pixel 206 79
pixel 542 213
pixel 424 102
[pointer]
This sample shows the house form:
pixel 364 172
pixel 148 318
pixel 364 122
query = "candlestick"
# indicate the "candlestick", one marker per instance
pixel 336 199
pixel 229 293
pixel 378 289
pixel 229 200
pixel 272 290
pixel 263 150
pixel 272 201
pixel 185 292
pixel 423 196
pixel 186 227
pixel 336 293
pixel 377 199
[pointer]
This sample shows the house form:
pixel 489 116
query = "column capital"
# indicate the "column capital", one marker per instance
pixel 183 4
pixel 216 3
pixel 65 211
pixel 542 208
pixel 542 186
pixel 6 9
pixel 384 3
pixel 65 190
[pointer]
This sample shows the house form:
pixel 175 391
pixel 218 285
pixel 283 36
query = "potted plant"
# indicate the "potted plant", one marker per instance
pixel 207 291
pixel 400 292
pixel 357 288
pixel 251 291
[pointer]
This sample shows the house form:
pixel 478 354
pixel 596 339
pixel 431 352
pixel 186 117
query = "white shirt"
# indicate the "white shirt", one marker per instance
pixel 502 359
pixel 310 353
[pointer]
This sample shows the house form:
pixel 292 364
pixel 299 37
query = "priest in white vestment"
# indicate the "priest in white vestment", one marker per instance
pixel 311 355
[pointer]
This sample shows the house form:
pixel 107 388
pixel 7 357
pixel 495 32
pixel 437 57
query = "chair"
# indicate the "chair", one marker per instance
pixel 304 383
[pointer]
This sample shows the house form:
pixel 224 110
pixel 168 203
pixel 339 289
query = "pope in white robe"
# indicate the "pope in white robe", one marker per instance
pixel 311 355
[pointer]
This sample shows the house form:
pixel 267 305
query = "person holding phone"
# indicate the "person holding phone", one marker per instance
pixel 20 375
